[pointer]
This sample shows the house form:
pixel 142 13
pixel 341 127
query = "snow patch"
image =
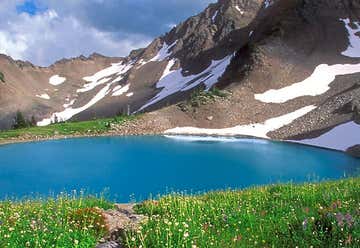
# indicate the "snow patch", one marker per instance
pixel 70 112
pixel 340 138
pixel 164 52
pixel 259 130
pixel 239 9
pixel 130 94
pixel 104 76
pixel 189 138
pixel 56 80
pixel 213 18
pixel 66 105
pixel 251 33
pixel 167 71
pixel 353 49
pixel 267 3
pixel 44 96
pixel 119 90
pixel 174 81
pixel 317 84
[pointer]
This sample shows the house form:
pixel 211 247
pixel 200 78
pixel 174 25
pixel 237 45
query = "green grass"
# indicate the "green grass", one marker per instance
pixel 65 221
pixel 309 215
pixel 67 128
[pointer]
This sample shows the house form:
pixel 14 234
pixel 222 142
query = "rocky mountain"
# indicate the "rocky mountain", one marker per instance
pixel 292 68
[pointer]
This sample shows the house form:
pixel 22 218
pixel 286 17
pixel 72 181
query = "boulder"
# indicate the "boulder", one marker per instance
pixel 122 218
pixel 354 151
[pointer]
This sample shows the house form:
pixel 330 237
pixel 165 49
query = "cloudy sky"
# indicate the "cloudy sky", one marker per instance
pixel 43 31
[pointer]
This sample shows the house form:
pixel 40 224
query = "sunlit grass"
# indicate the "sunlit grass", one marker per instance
pixel 65 221
pixel 67 128
pixel 310 215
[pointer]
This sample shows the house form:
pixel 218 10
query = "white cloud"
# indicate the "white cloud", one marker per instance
pixel 70 28
pixel 47 37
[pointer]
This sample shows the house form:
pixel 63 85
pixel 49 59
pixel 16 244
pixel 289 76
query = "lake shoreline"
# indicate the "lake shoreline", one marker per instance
pixel 21 140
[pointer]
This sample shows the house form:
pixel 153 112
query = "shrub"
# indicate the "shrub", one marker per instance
pixel 21 122
pixel 2 77
pixel 200 97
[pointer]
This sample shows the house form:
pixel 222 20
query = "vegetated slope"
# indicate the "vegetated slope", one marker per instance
pixel 318 215
pixel 275 216
pixel 292 67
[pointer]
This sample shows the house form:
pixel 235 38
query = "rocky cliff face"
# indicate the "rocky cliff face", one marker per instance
pixel 277 58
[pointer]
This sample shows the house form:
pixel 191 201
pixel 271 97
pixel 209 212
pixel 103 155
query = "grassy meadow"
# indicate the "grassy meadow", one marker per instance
pixel 98 126
pixel 66 221
pixel 309 215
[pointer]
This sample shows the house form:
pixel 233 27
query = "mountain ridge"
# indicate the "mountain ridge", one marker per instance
pixel 259 50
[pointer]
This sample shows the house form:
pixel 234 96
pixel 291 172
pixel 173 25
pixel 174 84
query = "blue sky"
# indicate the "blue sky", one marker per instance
pixel 43 31
pixel 28 7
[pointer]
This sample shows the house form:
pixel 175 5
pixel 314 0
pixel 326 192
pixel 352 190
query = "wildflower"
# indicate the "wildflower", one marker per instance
pixel 237 238
pixel 340 219
pixel 349 219
pixel 305 224
pixel 186 235
pixel 336 204
pixel 76 242
pixel 133 239
pixel 348 240
pixel 225 218
pixel 306 210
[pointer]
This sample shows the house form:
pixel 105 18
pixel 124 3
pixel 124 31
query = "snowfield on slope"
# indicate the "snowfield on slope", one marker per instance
pixel 70 112
pixel 259 130
pixel 340 137
pixel 119 90
pixel 353 49
pixel 164 52
pixel 172 82
pixel 56 80
pixel 99 78
pixel 106 75
pixel 318 83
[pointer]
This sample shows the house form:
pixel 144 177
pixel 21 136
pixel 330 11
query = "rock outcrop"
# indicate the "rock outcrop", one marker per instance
pixel 354 151
pixel 122 218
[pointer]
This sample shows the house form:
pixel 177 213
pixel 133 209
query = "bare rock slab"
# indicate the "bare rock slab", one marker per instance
pixel 122 218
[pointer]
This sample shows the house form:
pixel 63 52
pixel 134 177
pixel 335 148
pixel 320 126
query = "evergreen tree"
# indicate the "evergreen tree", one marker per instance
pixel 19 121
pixel 33 121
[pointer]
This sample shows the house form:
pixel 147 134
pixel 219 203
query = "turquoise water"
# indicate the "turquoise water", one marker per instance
pixel 141 166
